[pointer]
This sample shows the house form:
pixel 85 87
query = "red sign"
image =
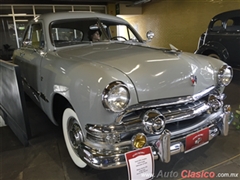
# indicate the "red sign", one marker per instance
pixel 197 139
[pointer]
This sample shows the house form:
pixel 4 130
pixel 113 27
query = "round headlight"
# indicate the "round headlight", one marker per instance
pixel 225 75
pixel 116 97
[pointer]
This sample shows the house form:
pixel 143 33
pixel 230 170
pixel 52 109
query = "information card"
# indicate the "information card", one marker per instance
pixel 140 164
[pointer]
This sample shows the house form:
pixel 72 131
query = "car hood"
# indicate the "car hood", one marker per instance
pixel 155 73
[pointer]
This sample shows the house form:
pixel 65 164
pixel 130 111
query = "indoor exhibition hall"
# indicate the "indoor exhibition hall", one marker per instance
pixel 123 90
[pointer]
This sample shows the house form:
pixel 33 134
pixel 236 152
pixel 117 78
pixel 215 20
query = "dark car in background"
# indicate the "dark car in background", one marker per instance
pixel 222 38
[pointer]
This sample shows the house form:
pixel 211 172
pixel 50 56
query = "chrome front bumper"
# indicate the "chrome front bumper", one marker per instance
pixel 169 147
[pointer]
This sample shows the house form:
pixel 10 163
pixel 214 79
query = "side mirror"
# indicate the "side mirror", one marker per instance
pixel 150 35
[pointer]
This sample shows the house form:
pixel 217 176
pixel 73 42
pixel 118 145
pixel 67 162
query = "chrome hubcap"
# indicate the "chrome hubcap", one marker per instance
pixel 74 133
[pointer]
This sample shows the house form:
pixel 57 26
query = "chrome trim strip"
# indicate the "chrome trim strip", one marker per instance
pixel 203 93
pixel 36 93
pixel 163 102
pixel 187 115
pixel 185 131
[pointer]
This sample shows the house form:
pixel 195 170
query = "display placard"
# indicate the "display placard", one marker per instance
pixel 140 164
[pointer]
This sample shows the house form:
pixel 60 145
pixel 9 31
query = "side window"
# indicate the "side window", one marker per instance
pixel 132 36
pixel 233 24
pixel 34 37
pixel 37 36
pixel 218 25
pixel 66 35
pixel 229 22
pixel 121 33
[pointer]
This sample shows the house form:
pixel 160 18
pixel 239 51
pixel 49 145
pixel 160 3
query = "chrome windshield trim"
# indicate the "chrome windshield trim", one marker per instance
pixel 164 102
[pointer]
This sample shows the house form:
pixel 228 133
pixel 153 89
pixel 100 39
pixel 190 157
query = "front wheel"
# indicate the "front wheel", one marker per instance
pixel 73 135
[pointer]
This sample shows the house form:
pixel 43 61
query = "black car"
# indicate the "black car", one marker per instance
pixel 222 38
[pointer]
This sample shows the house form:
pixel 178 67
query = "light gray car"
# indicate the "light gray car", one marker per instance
pixel 117 94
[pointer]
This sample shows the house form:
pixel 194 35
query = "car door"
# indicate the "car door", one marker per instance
pixel 29 57
pixel 231 39
pixel 214 32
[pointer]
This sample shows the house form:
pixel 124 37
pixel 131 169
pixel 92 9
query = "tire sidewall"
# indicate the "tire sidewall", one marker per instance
pixel 67 114
pixel 213 55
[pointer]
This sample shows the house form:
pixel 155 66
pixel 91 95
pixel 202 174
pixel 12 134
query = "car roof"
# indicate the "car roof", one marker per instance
pixel 49 17
pixel 227 14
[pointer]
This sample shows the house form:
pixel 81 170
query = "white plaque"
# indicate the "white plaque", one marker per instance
pixel 140 164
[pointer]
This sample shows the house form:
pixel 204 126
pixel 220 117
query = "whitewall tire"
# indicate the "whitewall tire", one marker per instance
pixel 73 135
pixel 214 56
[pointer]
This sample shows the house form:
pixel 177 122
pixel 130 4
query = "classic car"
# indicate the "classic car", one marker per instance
pixel 222 38
pixel 118 94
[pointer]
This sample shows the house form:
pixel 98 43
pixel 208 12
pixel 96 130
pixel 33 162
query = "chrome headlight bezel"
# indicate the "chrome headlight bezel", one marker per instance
pixel 119 91
pixel 225 75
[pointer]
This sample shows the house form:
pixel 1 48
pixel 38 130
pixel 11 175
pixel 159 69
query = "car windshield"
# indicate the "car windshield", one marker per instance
pixel 78 31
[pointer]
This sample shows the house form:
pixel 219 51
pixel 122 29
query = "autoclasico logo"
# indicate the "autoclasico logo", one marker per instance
pixel 199 174
pixel 186 174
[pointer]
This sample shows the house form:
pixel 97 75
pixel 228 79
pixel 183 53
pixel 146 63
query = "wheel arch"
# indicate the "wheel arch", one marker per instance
pixel 59 104
pixel 213 47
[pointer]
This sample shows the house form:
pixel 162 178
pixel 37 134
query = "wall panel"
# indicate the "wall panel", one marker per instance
pixel 179 22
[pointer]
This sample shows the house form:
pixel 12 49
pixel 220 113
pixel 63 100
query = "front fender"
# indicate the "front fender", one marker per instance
pixel 214 47
pixel 85 92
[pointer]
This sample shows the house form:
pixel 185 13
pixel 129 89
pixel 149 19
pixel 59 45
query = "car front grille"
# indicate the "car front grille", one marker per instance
pixel 181 115
pixel 173 113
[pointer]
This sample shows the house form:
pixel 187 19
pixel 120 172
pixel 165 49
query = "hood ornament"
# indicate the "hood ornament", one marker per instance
pixel 193 80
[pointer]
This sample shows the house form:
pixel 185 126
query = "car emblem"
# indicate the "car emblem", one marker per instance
pixel 153 121
pixel 194 80
pixel 198 140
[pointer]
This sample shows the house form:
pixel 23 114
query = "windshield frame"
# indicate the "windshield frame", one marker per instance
pixel 100 22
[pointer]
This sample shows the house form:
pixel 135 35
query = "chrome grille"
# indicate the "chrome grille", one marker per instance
pixel 174 109
pixel 172 113
pixel 184 112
